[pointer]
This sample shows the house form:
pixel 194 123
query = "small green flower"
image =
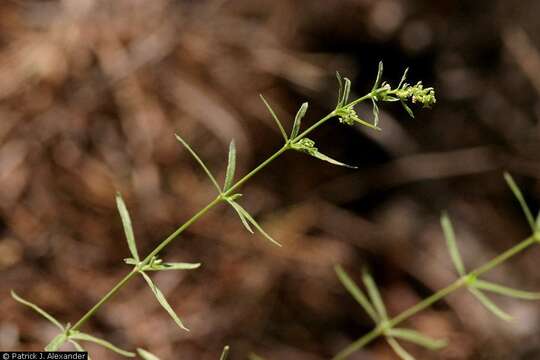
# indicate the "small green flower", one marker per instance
pixel 417 94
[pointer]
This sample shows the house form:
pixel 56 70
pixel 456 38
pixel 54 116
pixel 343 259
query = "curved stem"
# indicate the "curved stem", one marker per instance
pixel 442 293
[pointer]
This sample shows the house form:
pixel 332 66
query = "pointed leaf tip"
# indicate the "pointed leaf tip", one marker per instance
pixel 128 228
pixel 199 161
pixel 276 119
pixel 37 309
pixel 521 199
pixel 231 167
pixel 374 295
pixel 356 293
pixel 163 301
pixel 449 235
pixel 417 338
pixel 490 305
pixel 298 120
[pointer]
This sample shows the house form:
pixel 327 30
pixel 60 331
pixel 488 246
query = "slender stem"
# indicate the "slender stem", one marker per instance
pixel 104 299
pixel 427 302
pixel 198 215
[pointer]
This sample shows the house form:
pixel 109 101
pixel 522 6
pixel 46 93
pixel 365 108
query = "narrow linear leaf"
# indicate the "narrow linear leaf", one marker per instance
pixel 128 228
pixel 374 295
pixel 201 163
pixel 298 120
pixel 274 116
pixel 224 353
pixel 340 90
pixel 356 293
pixel 407 108
pixel 77 335
pixel 506 291
pixel 328 159
pixel 403 78
pixel 255 224
pixel 379 76
pixel 490 305
pixel 519 196
pixel 161 299
pixel 175 266
pixel 231 166
pixel 375 113
pixel 240 213
pixel 56 342
pixel 538 222
pixel 400 351
pixel 450 237
pixel 346 91
pixel 37 309
pixel 417 338
pixel 146 355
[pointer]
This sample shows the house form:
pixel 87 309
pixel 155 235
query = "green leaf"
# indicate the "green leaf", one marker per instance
pixel 538 222
pixel 128 228
pixel 56 342
pixel 506 291
pixel 375 113
pixel 417 338
pixel 450 237
pixel 340 90
pixel 346 91
pixel 248 218
pixel 37 309
pixel 77 335
pixel 274 116
pixel 407 108
pixel 201 163
pixel 224 353
pixel 174 266
pixel 403 78
pixel 519 196
pixel 490 305
pixel 231 167
pixel 146 355
pixel 328 159
pixel 356 293
pixel 401 352
pixel 240 213
pixel 379 77
pixel 374 295
pixel 161 299
pixel 298 120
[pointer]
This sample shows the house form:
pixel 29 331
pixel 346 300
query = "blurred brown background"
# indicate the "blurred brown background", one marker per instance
pixel 92 91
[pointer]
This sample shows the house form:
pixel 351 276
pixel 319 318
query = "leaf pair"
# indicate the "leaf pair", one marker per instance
pixel 344 90
pixel 153 264
pixel 247 220
pixel 475 285
pixel 67 334
pixel 297 120
pixel 374 306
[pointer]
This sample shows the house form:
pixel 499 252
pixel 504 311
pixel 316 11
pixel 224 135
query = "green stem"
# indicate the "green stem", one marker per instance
pixel 427 302
pixel 201 213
